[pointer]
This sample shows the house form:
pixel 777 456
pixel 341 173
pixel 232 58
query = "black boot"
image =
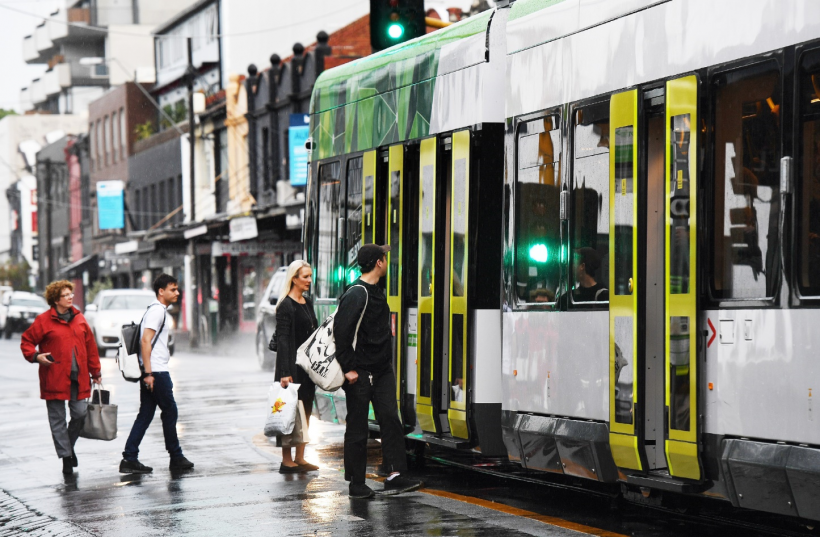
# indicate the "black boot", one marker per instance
pixel 68 467
pixel 74 461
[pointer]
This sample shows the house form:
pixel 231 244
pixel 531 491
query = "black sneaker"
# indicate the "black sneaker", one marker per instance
pixel 400 484
pixel 360 490
pixel 180 463
pixel 68 468
pixel 74 461
pixel 134 467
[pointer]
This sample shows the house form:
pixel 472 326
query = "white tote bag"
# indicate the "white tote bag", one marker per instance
pixel 282 406
pixel 317 355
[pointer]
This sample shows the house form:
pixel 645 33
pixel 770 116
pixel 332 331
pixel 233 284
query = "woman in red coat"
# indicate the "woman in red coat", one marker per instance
pixel 61 341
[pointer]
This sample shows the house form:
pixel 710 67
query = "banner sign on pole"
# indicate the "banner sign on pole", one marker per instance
pixel 111 204
pixel 298 133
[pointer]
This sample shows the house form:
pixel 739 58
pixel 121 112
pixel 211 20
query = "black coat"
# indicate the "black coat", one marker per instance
pixel 292 329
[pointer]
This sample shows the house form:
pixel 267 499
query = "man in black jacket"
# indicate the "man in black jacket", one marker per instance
pixel 369 376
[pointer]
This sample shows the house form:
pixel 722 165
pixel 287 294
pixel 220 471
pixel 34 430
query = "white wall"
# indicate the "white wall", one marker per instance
pixel 128 53
pixel 155 12
pixel 273 27
pixel 16 129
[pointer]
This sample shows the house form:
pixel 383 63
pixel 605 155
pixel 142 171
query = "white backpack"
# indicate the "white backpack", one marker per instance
pixel 317 355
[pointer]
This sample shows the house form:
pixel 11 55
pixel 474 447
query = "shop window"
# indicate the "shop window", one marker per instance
pixel 746 196
pixel 354 217
pixel 807 200
pixel 538 229
pixel 329 274
pixel 589 222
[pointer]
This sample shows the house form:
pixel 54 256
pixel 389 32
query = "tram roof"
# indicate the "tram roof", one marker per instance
pixel 398 66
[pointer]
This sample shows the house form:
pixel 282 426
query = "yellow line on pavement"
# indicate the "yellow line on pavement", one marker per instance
pixel 500 507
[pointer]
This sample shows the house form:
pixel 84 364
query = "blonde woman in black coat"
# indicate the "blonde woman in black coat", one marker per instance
pixel 295 322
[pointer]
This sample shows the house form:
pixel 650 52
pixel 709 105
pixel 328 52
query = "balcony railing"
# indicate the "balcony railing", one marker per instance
pixel 57 78
pixel 42 39
pixel 30 53
pixel 38 94
pixel 25 100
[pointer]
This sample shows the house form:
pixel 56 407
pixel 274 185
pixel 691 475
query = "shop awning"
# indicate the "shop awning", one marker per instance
pixel 77 267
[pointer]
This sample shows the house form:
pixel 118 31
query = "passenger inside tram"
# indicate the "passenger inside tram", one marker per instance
pixel 587 288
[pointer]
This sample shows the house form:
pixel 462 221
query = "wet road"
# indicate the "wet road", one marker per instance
pixel 235 488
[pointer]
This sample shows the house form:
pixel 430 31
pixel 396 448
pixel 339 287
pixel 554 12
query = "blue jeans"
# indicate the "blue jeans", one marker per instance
pixel 163 397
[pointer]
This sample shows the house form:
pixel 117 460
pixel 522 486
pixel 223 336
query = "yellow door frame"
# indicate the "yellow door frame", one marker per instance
pixel 681 446
pixel 623 308
pixel 457 411
pixel 395 215
pixel 424 405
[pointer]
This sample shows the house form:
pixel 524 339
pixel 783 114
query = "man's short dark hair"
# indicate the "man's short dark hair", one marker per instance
pixel 591 260
pixel 369 255
pixel 163 281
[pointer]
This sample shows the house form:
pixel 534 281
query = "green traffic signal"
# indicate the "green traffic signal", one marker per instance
pixel 395 30
pixel 539 253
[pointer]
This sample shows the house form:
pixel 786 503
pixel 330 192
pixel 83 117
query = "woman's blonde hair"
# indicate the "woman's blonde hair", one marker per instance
pixel 293 270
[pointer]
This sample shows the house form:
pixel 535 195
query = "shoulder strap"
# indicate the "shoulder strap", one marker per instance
pixel 366 300
pixel 161 326
pixel 598 293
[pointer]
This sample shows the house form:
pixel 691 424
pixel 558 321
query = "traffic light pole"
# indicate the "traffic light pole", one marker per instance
pixel 194 300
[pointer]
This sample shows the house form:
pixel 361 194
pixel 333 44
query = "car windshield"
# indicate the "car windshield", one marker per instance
pixel 126 302
pixel 29 302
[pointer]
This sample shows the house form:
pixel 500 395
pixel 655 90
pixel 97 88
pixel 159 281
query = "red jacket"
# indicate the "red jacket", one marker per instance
pixel 54 335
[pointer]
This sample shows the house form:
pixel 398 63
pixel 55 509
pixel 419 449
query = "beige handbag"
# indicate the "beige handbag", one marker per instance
pixel 100 420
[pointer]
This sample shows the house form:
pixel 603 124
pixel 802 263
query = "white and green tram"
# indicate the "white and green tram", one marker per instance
pixel 678 141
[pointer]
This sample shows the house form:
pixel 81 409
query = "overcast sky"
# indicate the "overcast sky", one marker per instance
pixel 13 28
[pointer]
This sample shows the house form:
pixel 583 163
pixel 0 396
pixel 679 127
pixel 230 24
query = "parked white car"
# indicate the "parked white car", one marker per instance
pixel 21 310
pixel 113 308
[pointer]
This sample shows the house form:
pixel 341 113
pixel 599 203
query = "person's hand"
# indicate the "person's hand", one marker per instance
pixel 352 377
pixel 149 382
pixel 44 358
pixel 284 381
pixel 97 380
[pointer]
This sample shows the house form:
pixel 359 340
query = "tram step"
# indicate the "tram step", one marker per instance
pixel 443 440
pixel 664 482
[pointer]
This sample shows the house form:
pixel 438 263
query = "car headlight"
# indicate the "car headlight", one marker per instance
pixel 109 324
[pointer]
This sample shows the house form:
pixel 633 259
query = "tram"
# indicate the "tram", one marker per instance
pixel 605 231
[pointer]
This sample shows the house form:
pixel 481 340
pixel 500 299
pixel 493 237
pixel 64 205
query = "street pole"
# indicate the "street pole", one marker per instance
pixel 49 251
pixel 192 163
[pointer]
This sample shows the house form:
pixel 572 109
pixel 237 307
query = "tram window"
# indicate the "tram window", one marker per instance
pixel 538 226
pixel 354 217
pixel 747 182
pixel 807 231
pixel 329 276
pixel 589 224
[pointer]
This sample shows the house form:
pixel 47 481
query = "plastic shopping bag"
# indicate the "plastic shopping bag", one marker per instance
pixel 282 407
pixel 299 435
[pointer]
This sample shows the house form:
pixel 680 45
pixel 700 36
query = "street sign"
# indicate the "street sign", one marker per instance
pixel 298 133
pixel 111 204
pixel 243 228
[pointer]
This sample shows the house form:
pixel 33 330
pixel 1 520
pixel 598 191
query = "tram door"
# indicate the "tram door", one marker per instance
pixel 443 354
pixel 653 298
pixel 382 223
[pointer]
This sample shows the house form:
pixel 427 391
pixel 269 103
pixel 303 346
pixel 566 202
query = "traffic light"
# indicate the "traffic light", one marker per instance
pixel 395 21
pixel 539 253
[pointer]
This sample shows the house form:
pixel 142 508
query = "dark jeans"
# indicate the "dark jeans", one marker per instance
pixel 382 393
pixel 163 397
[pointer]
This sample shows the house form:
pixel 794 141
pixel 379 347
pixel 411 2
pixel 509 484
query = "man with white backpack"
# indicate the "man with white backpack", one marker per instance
pixel 156 388
pixel 369 376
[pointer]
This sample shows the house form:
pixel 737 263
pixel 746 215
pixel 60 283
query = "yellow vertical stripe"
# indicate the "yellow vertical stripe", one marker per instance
pixel 623 113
